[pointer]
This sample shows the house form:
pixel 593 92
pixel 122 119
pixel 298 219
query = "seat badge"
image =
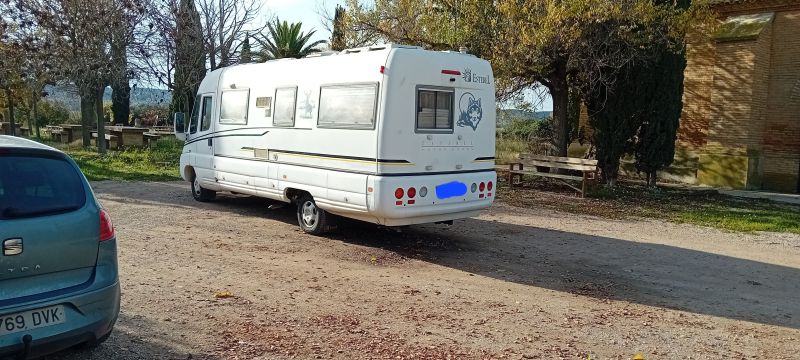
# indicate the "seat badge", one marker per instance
pixel 12 247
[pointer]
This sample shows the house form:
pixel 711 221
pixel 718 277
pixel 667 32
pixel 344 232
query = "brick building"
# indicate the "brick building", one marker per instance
pixel 740 126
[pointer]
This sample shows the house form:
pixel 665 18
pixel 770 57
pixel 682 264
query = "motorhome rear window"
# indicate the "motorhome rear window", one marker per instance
pixel 233 109
pixel 348 106
pixel 434 110
pixel 285 104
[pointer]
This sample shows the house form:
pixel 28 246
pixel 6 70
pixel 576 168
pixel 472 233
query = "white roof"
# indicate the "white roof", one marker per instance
pixel 17 142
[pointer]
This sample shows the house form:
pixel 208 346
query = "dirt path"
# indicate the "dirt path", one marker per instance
pixel 513 283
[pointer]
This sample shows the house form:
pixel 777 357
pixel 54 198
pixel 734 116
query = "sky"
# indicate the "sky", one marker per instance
pixel 304 11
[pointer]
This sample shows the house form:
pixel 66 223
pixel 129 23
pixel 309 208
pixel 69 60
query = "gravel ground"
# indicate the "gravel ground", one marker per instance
pixel 235 280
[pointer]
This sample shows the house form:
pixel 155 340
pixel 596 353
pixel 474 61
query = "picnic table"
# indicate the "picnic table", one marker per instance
pixel 119 136
pixel 112 141
pixel 539 165
pixel 128 135
pixel 70 132
pixel 5 128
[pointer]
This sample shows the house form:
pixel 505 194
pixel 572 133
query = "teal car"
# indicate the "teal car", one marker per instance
pixel 59 284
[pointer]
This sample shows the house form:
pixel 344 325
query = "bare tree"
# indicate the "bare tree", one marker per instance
pixel 78 35
pixel 153 49
pixel 225 26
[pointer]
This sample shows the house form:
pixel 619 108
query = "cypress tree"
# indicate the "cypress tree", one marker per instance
pixel 190 62
pixel 246 56
pixel 639 113
pixel 655 146
pixel 338 42
pixel 615 116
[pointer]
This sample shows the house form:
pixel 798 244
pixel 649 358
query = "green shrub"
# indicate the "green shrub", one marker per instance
pixel 52 113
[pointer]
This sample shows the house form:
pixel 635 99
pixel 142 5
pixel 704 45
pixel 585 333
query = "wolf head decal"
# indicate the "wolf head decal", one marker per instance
pixel 471 111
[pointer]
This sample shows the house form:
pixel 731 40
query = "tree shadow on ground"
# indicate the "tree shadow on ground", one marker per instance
pixel 130 342
pixel 600 267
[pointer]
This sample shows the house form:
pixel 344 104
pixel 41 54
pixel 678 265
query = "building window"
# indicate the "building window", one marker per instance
pixel 348 106
pixel 233 107
pixel 435 110
pixel 285 105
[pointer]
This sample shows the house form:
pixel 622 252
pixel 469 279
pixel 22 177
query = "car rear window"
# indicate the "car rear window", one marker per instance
pixel 37 186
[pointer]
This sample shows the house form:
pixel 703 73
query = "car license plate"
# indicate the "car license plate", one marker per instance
pixel 34 319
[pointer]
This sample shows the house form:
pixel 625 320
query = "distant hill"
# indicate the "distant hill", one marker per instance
pixel 68 96
pixel 506 116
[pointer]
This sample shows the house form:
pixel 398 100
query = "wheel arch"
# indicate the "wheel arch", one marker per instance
pixel 188 173
pixel 294 193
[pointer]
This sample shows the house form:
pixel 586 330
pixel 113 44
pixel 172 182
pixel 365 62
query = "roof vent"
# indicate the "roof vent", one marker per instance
pixel 321 54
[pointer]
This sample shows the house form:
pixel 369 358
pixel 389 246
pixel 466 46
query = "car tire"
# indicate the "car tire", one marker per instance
pixel 312 219
pixel 201 194
pixel 89 345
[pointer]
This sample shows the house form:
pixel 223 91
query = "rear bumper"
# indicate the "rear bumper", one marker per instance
pixel 391 211
pixel 90 316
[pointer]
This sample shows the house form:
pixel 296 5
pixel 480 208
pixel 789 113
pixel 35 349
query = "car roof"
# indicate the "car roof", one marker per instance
pixel 20 143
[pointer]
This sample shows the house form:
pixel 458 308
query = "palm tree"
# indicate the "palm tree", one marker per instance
pixel 285 40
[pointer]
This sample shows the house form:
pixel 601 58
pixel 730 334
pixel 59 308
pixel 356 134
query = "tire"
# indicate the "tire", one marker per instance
pixel 200 194
pixel 312 219
pixel 90 345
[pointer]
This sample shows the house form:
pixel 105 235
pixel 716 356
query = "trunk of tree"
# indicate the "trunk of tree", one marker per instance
pixel 12 122
pixel 612 181
pixel 652 177
pixel 121 104
pixel 120 84
pixel 101 128
pixel 559 90
pixel 36 113
pixel 87 116
pixel 609 170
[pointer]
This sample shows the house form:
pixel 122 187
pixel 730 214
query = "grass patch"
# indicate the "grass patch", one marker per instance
pixel 755 215
pixel 631 201
pixel 508 149
pixel 157 163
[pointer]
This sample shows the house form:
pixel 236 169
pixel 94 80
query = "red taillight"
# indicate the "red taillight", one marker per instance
pixel 399 193
pixel 383 69
pixel 106 226
pixel 412 193
pixel 482 187
pixel 490 186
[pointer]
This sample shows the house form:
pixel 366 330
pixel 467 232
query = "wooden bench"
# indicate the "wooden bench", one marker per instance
pixel 151 138
pixel 56 134
pixel 109 140
pixel 539 165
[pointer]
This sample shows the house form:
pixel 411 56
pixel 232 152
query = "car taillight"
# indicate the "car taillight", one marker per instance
pixel 482 186
pixel 490 186
pixel 106 226
pixel 399 193
pixel 412 192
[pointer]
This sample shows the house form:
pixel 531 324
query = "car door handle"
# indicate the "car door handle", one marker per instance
pixel 209 141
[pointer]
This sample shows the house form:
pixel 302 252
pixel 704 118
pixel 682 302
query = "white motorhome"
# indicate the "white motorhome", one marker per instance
pixel 393 135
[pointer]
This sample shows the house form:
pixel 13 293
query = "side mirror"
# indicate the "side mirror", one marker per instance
pixel 179 124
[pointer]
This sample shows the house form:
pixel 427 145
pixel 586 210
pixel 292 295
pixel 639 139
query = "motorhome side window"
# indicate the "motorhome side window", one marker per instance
pixel 434 110
pixel 192 125
pixel 208 104
pixel 285 105
pixel 233 107
pixel 348 106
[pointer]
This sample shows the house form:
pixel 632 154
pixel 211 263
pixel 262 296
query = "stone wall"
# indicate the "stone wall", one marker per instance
pixel 740 125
